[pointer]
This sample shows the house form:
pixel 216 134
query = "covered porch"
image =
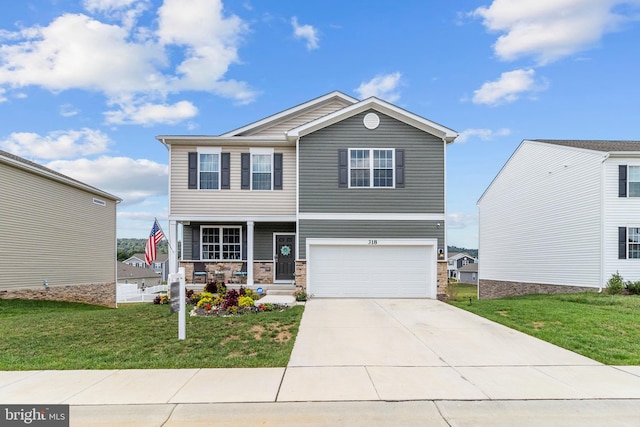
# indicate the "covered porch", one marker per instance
pixel 250 252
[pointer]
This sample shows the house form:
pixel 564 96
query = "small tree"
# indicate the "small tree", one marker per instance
pixel 615 284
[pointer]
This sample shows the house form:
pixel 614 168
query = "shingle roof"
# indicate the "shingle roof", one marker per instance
pixel 125 271
pixel 469 268
pixel 597 145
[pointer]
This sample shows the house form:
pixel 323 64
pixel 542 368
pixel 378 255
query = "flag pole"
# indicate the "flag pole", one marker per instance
pixel 163 233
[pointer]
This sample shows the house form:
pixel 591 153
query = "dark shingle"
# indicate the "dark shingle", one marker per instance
pixel 597 145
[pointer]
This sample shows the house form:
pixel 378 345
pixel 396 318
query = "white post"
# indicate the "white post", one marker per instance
pixel 173 247
pixel 250 225
pixel 182 330
pixel 178 279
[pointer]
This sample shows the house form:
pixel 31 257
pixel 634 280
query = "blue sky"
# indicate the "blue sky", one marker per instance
pixel 86 85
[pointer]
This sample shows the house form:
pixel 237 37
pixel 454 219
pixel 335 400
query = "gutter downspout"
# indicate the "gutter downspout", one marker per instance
pixel 602 221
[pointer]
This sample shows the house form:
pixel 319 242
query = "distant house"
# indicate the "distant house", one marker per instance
pixel 138 275
pixel 561 216
pixel 468 274
pixel 457 260
pixel 160 265
pixel 340 196
pixel 48 222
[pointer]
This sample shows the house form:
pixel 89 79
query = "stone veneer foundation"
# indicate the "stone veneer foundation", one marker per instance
pixel 493 289
pixel 92 293
pixel 442 280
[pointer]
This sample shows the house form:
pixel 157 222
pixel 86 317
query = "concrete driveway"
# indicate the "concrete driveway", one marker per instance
pixel 401 349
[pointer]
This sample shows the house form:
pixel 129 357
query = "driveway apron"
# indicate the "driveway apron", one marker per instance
pixel 411 349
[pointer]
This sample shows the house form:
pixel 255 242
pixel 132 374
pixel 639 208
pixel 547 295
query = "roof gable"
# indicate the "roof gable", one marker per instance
pixel 302 113
pixel 381 106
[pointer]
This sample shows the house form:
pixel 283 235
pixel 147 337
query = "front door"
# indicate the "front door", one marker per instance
pixel 285 256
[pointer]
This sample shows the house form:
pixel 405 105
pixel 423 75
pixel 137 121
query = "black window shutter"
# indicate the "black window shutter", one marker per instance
pixel 225 170
pixel 245 171
pixel 195 243
pixel 622 242
pixel 277 171
pixel 193 170
pixel 622 180
pixel 343 168
pixel 399 168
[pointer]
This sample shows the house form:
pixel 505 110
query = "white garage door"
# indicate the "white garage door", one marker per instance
pixel 380 270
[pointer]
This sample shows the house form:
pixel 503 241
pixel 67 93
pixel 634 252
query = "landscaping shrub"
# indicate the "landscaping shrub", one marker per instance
pixel 242 292
pixel 245 301
pixel 161 299
pixel 452 290
pixel 301 296
pixel 211 287
pixel 615 284
pixel 634 287
pixel 230 299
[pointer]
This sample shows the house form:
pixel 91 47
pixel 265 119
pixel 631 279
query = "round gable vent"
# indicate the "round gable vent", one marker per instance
pixel 371 121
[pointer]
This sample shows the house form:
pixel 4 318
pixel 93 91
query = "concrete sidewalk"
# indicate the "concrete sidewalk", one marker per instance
pixel 360 355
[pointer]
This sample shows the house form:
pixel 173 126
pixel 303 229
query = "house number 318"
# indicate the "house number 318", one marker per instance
pixel 373 242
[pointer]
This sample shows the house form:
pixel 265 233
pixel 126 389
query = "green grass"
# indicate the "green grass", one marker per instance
pixel 57 335
pixel 602 327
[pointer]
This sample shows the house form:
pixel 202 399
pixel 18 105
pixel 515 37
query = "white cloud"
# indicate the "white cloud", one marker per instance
pixel 551 29
pixel 56 145
pixel 508 88
pixel 459 220
pixel 120 60
pixel 305 32
pixel 67 110
pixel 382 86
pixel 133 180
pixel 151 114
pixel 482 133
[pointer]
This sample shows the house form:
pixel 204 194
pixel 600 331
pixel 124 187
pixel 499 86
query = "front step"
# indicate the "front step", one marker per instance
pixel 287 300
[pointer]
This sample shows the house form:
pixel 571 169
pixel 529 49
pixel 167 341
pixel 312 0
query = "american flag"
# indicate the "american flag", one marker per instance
pixel 155 236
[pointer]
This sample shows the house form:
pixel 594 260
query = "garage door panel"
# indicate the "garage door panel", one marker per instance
pixel 371 271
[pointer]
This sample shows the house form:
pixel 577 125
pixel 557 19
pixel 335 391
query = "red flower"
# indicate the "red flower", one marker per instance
pixel 207 307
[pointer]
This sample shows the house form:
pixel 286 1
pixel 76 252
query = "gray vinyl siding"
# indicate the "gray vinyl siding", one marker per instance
pixel 53 231
pixel 424 169
pixel 369 230
pixel 262 238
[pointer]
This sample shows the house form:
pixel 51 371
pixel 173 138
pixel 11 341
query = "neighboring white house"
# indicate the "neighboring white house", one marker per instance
pixel 561 216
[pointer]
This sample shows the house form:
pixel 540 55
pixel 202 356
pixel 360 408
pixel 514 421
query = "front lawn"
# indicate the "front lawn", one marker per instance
pixel 603 327
pixel 56 335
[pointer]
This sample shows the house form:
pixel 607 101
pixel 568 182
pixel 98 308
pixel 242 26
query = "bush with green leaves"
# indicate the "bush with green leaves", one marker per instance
pixel 634 287
pixel 245 301
pixel 615 284
pixel 301 296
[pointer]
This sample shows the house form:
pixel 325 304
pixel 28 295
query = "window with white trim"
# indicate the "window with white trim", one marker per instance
pixel 633 243
pixel 261 169
pixel 369 167
pixel 634 181
pixel 221 243
pixel 209 168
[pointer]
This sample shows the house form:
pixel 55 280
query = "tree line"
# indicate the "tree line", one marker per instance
pixel 128 247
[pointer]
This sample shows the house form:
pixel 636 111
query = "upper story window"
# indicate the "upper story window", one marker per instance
pixel 371 167
pixel 209 168
pixel 634 181
pixel 628 181
pixel 261 169
pixel 222 243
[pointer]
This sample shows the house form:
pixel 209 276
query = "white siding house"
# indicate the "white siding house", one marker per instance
pixel 551 219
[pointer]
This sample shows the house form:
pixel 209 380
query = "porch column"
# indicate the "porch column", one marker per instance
pixel 250 253
pixel 173 247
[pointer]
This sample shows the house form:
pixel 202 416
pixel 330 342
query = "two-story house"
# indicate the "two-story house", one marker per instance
pixel 561 216
pixel 159 265
pixel 344 198
pixel 457 260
